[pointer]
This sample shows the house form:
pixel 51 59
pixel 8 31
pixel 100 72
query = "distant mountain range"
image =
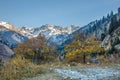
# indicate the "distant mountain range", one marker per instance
pixel 11 35
pixel 55 34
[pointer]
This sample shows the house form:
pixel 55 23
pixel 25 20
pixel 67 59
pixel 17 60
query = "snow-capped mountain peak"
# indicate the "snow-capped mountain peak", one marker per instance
pixel 9 26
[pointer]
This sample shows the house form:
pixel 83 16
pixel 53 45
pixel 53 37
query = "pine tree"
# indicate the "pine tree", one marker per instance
pixel 111 14
pixel 114 24
pixel 108 16
pixel 119 10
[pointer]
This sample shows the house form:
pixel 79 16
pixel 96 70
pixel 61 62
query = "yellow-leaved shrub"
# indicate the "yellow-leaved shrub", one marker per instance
pixel 79 49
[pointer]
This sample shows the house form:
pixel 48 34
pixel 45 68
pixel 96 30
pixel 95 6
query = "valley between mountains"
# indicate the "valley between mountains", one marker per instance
pixel 52 52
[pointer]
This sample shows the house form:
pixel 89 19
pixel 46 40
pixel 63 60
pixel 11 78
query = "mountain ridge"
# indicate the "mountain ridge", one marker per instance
pixel 57 34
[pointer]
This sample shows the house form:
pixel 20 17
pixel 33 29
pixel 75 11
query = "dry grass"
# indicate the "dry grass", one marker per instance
pixel 17 68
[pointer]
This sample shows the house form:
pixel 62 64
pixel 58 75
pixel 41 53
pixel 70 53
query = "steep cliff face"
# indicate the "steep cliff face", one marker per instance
pixel 112 40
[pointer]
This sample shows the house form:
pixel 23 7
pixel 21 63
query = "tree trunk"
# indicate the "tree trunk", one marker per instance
pixel 84 58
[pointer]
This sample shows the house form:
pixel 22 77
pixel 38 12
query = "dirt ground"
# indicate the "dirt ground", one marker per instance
pixel 59 71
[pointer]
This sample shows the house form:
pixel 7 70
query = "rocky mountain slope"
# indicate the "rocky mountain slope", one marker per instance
pixel 112 41
pixel 10 36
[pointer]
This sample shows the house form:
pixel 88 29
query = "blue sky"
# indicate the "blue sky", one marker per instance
pixel 35 13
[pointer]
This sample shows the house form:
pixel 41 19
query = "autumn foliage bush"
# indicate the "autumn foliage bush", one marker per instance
pixel 36 49
pixel 77 50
